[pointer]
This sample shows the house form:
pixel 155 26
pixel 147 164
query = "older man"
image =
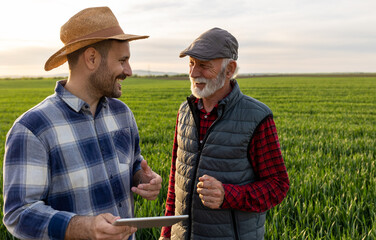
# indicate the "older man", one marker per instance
pixel 72 162
pixel 227 169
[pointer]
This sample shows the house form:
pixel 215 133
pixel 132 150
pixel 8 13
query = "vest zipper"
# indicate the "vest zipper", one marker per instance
pixel 197 122
pixel 196 118
pixel 235 225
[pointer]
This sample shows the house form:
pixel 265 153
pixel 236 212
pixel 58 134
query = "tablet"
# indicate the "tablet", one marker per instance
pixel 150 222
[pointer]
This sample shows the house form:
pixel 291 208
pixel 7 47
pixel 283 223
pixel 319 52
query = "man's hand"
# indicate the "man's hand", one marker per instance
pixel 147 183
pixel 210 191
pixel 97 227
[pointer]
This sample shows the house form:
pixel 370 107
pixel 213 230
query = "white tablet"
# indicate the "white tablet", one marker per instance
pixel 150 222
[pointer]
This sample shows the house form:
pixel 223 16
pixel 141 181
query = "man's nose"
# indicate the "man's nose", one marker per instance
pixel 127 70
pixel 195 71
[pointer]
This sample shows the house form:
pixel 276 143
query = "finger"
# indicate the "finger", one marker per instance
pixel 150 187
pixel 157 179
pixel 205 200
pixel 211 199
pixel 145 167
pixel 109 217
pixel 203 184
pixel 207 184
pixel 129 232
pixel 211 202
pixel 105 229
pixel 204 191
pixel 204 177
pixel 149 195
pixel 202 197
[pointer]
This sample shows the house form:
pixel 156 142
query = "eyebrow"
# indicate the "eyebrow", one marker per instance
pixel 202 62
pixel 124 58
pixel 206 63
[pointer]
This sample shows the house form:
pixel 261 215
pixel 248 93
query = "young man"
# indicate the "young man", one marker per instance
pixel 227 169
pixel 72 162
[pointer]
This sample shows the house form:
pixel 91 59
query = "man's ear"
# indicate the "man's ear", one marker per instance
pixel 231 68
pixel 92 58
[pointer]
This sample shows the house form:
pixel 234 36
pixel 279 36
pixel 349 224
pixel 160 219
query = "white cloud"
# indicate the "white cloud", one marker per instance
pixel 274 36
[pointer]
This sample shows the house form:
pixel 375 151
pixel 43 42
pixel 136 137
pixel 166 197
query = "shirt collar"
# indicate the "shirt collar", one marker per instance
pixel 200 104
pixel 73 101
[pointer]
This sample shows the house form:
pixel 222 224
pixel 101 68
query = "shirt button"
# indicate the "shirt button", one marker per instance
pixel 206 116
pixel 200 141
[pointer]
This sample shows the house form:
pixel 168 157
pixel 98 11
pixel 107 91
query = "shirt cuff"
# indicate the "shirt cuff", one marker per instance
pixel 226 203
pixel 58 224
pixel 137 165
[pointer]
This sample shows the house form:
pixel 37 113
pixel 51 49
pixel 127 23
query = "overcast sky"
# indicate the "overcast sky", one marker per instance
pixel 289 36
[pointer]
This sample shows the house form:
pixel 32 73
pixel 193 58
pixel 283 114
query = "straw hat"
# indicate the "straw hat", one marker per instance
pixel 89 26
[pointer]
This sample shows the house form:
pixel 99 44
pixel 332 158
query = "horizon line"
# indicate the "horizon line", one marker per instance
pixel 171 74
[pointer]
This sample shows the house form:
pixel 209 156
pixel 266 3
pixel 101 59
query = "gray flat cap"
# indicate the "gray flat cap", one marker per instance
pixel 212 44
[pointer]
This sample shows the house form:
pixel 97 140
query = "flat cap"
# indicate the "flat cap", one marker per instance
pixel 212 44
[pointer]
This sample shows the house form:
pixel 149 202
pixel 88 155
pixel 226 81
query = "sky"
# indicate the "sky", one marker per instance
pixel 289 36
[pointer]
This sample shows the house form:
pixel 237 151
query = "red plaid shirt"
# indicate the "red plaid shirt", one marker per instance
pixel 265 156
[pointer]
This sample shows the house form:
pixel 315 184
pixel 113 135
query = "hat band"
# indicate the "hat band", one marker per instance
pixel 107 32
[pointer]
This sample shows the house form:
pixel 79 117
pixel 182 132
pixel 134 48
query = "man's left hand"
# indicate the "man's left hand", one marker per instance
pixel 148 183
pixel 210 191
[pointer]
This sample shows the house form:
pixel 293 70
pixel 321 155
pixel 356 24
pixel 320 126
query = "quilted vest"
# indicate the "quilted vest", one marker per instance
pixel 223 154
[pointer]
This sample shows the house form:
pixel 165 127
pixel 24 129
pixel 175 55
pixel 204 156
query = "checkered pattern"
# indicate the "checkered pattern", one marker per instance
pixel 267 162
pixel 266 159
pixel 60 161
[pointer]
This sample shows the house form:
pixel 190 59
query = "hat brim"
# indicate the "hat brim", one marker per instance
pixel 60 57
pixel 201 58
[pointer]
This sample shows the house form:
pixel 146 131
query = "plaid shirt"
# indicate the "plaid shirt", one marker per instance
pixel 267 162
pixel 61 161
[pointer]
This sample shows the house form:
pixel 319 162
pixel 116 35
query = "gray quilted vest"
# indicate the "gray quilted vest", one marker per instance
pixel 223 154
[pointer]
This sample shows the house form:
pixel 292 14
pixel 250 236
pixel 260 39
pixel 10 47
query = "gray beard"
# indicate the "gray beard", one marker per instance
pixel 211 85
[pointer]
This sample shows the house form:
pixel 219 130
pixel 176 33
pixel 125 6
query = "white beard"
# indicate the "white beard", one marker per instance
pixel 211 85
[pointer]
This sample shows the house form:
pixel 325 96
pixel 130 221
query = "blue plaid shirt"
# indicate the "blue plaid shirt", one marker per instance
pixel 61 161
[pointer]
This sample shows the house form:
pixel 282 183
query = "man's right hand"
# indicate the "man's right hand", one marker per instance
pixel 97 227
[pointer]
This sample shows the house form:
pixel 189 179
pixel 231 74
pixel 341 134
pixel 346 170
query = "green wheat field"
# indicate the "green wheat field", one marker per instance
pixel 326 127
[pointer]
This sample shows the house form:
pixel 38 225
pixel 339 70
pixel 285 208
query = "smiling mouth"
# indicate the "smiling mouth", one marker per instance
pixel 121 77
pixel 119 80
pixel 199 84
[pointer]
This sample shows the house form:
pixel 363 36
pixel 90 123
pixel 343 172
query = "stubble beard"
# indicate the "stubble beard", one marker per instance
pixel 104 82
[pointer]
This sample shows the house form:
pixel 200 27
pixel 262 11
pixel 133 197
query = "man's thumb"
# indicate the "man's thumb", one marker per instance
pixel 145 167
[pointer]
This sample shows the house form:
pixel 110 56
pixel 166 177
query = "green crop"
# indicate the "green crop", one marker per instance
pixel 327 131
